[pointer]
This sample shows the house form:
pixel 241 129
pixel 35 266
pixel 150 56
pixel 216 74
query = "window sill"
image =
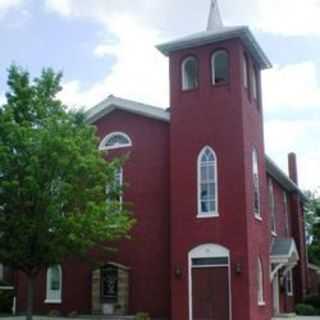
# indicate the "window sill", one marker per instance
pixel 261 304
pixel 259 218
pixel 189 90
pixel 220 84
pixel 49 301
pixel 206 216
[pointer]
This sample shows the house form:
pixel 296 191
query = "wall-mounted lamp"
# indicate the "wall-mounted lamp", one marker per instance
pixel 178 272
pixel 238 268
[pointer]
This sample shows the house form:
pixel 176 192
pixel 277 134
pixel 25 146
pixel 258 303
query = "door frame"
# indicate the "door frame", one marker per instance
pixel 276 294
pixel 208 251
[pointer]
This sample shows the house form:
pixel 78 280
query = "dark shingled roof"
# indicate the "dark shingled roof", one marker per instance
pixel 281 247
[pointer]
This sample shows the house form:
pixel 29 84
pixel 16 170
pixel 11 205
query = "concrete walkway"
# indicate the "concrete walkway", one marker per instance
pixel 299 318
pixel 115 318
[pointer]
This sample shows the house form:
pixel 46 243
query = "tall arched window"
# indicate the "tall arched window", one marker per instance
pixel 220 67
pixel 289 283
pixel 256 187
pixel 254 82
pixel 115 140
pixel 260 282
pixel 190 73
pixel 207 183
pixel 272 206
pixel 245 72
pixel 54 284
pixel 114 190
pixel 286 213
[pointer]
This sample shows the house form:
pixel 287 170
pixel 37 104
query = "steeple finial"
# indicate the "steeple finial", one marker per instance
pixel 215 20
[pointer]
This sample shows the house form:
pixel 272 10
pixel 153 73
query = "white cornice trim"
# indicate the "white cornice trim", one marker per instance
pixel 114 103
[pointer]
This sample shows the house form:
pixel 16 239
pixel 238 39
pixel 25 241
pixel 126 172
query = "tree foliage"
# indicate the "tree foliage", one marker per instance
pixel 52 179
pixel 312 218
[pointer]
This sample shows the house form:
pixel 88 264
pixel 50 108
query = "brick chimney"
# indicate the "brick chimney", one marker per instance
pixel 292 165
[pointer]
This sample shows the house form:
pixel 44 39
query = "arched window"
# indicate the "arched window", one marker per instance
pixel 54 284
pixel 190 73
pixel 272 206
pixel 114 191
pixel 115 140
pixel 245 72
pixel 220 67
pixel 207 183
pixel 254 83
pixel 260 282
pixel 256 187
pixel 289 283
pixel 1 272
pixel 286 213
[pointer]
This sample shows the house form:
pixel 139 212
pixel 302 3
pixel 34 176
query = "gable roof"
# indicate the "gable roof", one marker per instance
pixel 114 103
pixel 217 35
pixel 284 250
pixel 275 172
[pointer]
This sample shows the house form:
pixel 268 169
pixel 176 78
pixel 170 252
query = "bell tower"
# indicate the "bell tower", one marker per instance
pixel 219 219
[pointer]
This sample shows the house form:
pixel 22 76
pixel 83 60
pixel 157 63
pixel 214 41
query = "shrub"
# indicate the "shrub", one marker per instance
pixel 142 316
pixel 313 301
pixel 73 314
pixel 305 310
pixel 6 301
pixel 54 313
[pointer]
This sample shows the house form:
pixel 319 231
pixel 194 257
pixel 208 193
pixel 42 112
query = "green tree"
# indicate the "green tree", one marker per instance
pixel 53 181
pixel 312 219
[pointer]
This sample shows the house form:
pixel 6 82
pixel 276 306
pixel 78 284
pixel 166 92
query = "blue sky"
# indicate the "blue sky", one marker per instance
pixel 107 46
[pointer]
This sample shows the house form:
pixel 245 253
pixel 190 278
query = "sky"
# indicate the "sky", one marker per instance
pixel 107 47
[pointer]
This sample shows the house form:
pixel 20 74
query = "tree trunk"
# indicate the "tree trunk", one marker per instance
pixel 30 297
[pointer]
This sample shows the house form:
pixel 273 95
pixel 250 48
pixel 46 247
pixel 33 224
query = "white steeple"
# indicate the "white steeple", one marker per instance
pixel 215 20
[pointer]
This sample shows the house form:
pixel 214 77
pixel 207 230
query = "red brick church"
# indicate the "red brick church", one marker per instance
pixel 220 232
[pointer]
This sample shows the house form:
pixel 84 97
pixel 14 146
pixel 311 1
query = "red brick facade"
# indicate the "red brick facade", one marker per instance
pixel 161 185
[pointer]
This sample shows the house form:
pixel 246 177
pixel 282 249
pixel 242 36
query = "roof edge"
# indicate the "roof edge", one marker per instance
pixel 242 32
pixel 273 170
pixel 112 103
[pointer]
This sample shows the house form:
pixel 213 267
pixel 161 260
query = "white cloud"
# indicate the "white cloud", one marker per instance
pixel 292 87
pixel 2 99
pixel 63 7
pixel 6 5
pixel 301 137
pixel 291 17
pixel 292 94
pixel 139 73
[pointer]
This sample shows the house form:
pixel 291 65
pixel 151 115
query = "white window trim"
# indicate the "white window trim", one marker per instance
pixel 273 209
pixel 49 300
pixel 254 82
pixel 121 185
pixel 286 209
pixel 213 214
pixel 184 74
pixel 290 278
pixel 1 271
pixel 102 145
pixel 255 161
pixel 245 71
pixel 260 278
pixel 208 251
pixel 213 58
